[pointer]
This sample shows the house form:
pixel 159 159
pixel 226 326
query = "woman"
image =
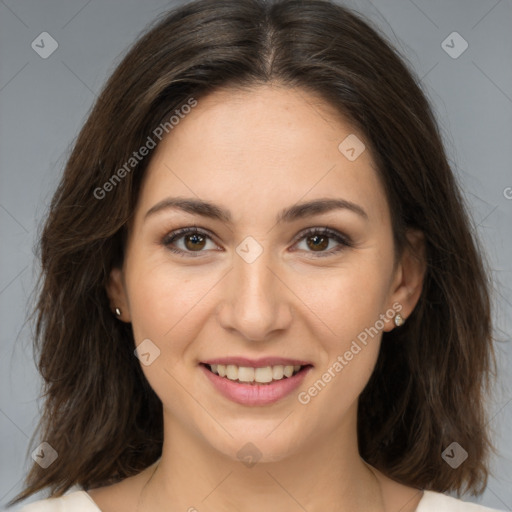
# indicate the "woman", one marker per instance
pixel 260 289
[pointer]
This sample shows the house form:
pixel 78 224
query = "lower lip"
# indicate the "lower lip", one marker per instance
pixel 255 394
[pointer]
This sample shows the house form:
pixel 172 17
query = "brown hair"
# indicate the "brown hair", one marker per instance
pixel 427 390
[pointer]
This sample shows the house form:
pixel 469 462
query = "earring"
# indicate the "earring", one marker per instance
pixel 118 312
pixel 398 320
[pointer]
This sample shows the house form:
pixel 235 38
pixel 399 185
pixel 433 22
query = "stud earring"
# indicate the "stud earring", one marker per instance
pixel 399 320
pixel 118 312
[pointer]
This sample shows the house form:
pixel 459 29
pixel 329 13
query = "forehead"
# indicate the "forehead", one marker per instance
pixel 268 146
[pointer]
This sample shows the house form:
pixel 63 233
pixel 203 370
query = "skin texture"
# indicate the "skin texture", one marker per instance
pixel 255 152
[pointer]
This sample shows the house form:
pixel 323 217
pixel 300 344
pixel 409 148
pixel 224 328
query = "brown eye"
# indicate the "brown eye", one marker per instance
pixel 194 242
pixel 189 242
pixel 318 242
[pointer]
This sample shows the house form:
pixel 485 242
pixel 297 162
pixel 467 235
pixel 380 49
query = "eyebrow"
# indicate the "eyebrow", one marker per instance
pixel 295 212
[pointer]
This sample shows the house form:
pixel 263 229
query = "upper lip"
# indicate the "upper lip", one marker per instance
pixel 257 363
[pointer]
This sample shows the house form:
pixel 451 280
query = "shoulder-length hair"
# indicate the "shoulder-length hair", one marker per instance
pixel 427 390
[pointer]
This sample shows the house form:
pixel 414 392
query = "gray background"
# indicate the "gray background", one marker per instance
pixel 44 102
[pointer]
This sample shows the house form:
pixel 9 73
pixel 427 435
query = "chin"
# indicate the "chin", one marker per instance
pixel 263 443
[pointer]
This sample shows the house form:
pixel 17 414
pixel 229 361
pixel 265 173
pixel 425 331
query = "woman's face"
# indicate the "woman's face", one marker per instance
pixel 253 283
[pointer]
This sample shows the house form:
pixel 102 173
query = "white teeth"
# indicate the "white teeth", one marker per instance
pixel 277 372
pixel 263 374
pixel 288 371
pixel 232 372
pixel 248 374
pixel 245 374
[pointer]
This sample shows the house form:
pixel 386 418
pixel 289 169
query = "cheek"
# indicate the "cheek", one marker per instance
pixel 167 307
pixel 346 300
pixel 164 300
pixel 346 306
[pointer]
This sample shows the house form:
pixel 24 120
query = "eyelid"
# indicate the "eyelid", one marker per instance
pixel 341 239
pixel 324 230
pixel 180 233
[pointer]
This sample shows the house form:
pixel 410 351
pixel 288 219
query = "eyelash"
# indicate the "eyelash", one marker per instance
pixel 343 240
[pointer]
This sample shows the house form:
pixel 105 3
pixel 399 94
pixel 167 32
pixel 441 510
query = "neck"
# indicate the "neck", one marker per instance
pixel 193 476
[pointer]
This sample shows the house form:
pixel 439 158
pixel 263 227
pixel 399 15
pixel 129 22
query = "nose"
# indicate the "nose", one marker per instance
pixel 256 304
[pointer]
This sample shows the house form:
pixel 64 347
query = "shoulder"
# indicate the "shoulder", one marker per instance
pixel 75 501
pixel 117 496
pixel 438 502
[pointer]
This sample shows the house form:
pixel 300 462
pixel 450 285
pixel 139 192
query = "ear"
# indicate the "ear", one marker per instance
pixel 408 277
pixel 116 291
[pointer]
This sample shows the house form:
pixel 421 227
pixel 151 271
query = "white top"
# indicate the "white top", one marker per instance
pixel 80 501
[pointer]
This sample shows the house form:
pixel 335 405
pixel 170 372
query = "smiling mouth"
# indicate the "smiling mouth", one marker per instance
pixel 255 376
